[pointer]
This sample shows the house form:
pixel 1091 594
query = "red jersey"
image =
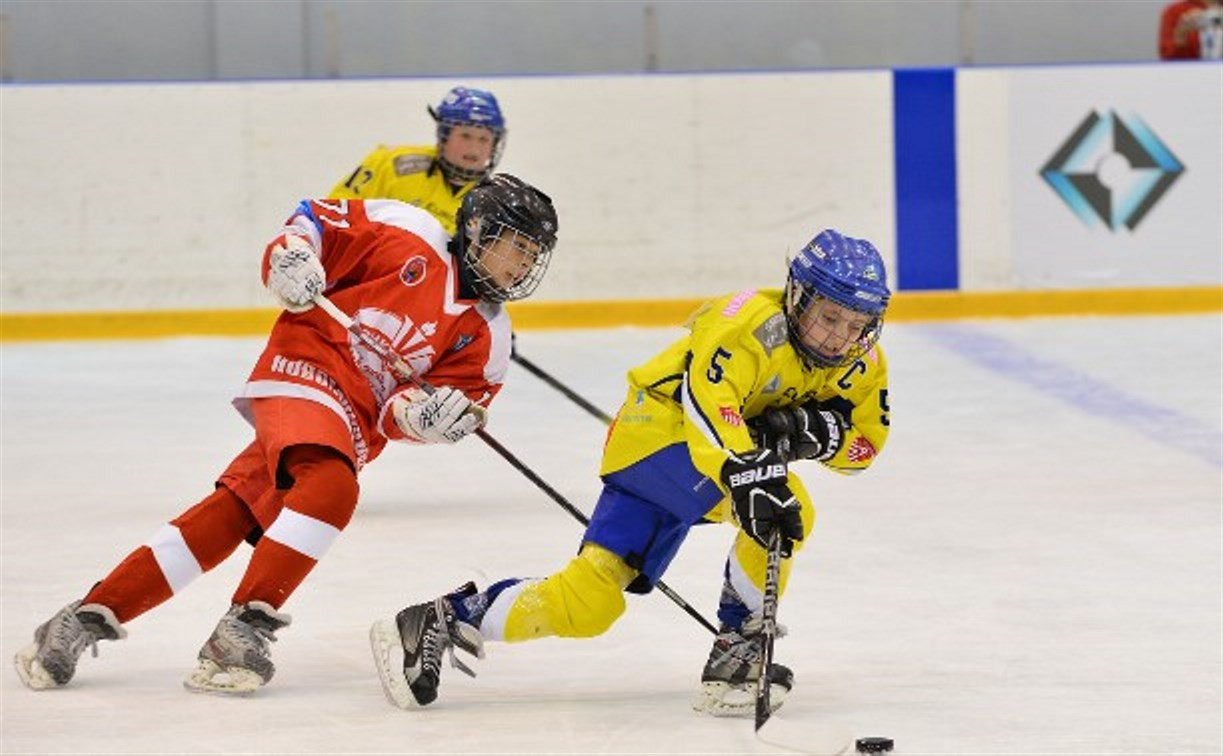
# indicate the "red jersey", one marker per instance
pixel 388 266
pixel 1191 47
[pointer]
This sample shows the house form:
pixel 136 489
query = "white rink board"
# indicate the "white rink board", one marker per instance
pixel 666 186
pixel 1031 566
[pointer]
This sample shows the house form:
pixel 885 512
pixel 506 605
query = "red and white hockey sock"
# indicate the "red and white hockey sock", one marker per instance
pixel 316 508
pixel 185 548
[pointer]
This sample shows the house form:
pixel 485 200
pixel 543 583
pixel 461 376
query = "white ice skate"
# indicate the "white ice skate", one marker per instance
pixel 236 658
pixel 731 675
pixel 50 661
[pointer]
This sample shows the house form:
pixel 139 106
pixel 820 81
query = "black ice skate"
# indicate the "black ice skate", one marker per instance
pixel 732 673
pixel 422 633
pixel 50 661
pixel 236 659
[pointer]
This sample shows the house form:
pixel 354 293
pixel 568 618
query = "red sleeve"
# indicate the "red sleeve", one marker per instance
pixel 332 228
pixel 466 370
pixel 1168 49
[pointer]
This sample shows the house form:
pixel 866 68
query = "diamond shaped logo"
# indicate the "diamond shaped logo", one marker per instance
pixel 1112 170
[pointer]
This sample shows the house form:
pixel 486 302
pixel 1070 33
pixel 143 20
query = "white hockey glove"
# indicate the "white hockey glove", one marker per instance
pixel 812 431
pixel 443 417
pixel 761 499
pixel 295 274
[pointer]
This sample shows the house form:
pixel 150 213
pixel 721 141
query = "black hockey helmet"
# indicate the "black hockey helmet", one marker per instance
pixel 500 205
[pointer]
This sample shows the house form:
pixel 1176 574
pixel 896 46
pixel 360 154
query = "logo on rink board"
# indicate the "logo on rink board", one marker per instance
pixel 1112 169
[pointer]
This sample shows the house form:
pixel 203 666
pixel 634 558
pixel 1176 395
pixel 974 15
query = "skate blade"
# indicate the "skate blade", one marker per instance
pixel 210 677
pixel 722 699
pixel 387 648
pixel 30 671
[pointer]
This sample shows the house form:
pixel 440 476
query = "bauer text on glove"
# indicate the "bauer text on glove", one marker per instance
pixel 294 273
pixel 444 417
pixel 761 498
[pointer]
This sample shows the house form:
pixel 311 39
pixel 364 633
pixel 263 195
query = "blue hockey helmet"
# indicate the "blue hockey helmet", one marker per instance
pixel 843 270
pixel 466 106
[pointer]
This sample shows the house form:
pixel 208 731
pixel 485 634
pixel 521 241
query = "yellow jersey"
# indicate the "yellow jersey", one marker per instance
pixel 736 362
pixel 408 174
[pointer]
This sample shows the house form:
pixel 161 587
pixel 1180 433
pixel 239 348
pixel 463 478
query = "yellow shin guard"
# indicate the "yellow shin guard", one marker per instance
pixel 580 601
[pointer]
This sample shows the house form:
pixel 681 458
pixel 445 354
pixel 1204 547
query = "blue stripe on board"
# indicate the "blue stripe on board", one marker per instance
pixel 1159 424
pixel 927 240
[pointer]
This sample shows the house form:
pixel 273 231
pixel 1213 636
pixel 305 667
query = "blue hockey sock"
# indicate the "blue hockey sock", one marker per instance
pixel 471 609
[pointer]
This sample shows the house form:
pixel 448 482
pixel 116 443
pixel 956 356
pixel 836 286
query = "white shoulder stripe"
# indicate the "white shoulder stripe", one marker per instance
pixel 500 331
pixel 696 417
pixel 420 223
pixel 410 218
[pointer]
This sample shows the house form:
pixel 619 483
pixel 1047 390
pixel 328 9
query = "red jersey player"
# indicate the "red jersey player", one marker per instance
pixel 323 406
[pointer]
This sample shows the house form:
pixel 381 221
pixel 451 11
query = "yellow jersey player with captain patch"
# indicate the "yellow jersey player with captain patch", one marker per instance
pixel 470 138
pixel 697 441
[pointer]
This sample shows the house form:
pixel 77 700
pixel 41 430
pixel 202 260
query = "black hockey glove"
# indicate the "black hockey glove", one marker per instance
pixel 811 431
pixel 761 498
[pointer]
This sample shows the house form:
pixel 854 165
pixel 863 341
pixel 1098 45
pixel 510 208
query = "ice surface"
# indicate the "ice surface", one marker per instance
pixel 1032 566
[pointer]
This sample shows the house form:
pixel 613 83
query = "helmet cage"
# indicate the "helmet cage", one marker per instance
pixel 798 300
pixel 842 270
pixel 482 243
pixel 504 207
pixel 457 174
pixel 468 107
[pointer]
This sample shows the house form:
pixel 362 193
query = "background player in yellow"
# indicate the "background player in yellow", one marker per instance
pixel 696 441
pixel 470 138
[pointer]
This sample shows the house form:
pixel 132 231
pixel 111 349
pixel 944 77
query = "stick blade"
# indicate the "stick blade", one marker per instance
pixel 803 736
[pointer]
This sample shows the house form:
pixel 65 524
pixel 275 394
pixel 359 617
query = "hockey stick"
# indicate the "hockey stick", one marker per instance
pixel 768 612
pixel 829 738
pixel 795 736
pixel 539 373
pixel 400 366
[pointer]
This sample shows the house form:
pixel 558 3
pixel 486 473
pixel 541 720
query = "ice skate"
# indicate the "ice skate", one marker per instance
pixel 732 673
pixel 236 658
pixel 421 633
pixel 50 661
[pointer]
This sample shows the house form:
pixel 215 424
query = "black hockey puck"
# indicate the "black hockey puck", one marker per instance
pixel 874 745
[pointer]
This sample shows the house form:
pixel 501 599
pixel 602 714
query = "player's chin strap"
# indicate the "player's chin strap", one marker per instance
pixel 405 372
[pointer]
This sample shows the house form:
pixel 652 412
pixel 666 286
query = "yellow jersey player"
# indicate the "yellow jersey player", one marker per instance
pixel 697 440
pixel 470 137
